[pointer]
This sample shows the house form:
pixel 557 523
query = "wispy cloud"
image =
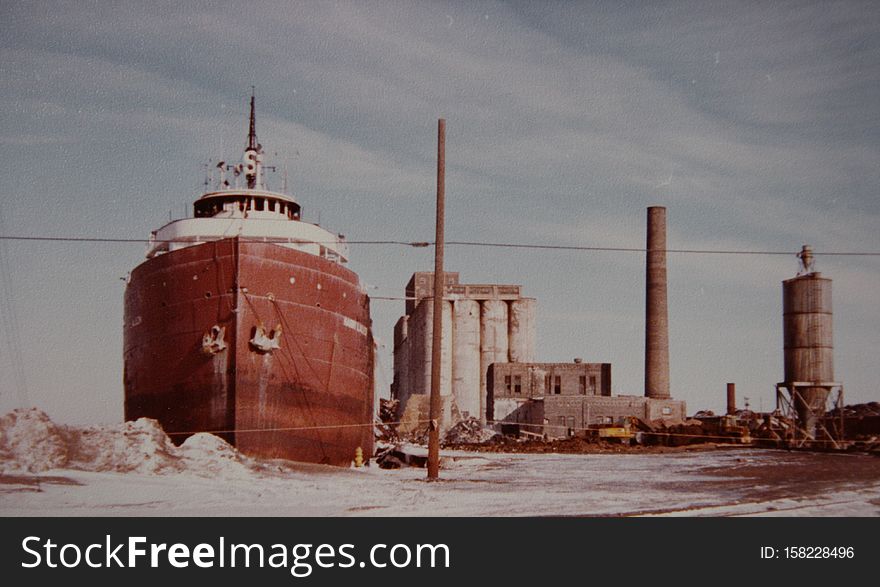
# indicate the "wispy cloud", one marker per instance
pixel 756 125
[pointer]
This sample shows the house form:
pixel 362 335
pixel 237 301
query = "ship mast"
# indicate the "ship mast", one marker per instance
pixel 252 134
pixel 252 154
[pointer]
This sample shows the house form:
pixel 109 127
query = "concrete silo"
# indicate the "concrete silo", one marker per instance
pixel 521 330
pixel 493 342
pixel 466 356
pixel 421 352
pixel 482 324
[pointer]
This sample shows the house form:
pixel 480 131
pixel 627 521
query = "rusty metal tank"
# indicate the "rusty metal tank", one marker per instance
pixel 808 341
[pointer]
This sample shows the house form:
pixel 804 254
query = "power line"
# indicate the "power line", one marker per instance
pixel 421 244
pixel 643 250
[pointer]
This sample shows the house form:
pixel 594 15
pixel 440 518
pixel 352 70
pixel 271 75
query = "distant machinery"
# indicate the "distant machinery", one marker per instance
pixel 809 352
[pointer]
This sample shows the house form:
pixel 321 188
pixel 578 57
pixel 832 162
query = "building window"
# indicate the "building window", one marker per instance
pixel 507 384
pixel 557 385
pixel 517 384
pixel 583 382
pixel 593 383
pixel 547 385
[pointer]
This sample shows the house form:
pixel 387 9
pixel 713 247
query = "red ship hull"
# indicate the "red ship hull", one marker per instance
pixel 310 399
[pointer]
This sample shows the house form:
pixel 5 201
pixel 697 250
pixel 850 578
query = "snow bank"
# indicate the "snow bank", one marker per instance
pixel 140 446
pixel 211 454
pixel 30 441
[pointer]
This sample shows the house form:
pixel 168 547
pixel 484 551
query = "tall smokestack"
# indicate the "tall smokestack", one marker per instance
pixel 731 399
pixel 656 316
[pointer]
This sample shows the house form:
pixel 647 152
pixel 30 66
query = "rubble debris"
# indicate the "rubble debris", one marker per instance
pixel 386 428
pixel 395 456
pixel 857 410
pixel 468 431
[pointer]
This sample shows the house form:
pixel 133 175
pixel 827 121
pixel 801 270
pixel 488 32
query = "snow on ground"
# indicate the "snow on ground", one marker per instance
pixel 132 469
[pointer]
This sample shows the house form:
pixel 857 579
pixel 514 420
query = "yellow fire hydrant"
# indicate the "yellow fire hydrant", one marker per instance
pixel 358 457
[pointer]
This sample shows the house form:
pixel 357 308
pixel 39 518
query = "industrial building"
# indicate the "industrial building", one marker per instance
pixel 483 324
pixel 516 391
pixel 488 369
pixel 560 399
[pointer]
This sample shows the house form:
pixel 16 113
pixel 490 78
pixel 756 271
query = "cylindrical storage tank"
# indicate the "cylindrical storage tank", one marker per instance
pixel 493 342
pixel 808 343
pixel 521 330
pixel 466 357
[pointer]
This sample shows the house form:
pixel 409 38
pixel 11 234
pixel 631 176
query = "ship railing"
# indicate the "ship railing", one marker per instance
pixel 158 246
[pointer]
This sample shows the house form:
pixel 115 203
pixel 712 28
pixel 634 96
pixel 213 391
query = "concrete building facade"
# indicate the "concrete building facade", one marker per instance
pixel 559 399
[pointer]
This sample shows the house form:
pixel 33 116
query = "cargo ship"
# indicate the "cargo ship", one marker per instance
pixel 244 321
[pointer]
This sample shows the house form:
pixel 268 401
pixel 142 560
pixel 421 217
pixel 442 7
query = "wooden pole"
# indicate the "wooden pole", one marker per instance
pixel 437 334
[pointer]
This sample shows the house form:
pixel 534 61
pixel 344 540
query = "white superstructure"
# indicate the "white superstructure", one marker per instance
pixel 252 213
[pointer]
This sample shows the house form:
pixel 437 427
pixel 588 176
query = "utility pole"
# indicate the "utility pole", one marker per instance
pixel 439 286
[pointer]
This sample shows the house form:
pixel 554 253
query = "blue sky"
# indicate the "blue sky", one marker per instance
pixel 756 125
